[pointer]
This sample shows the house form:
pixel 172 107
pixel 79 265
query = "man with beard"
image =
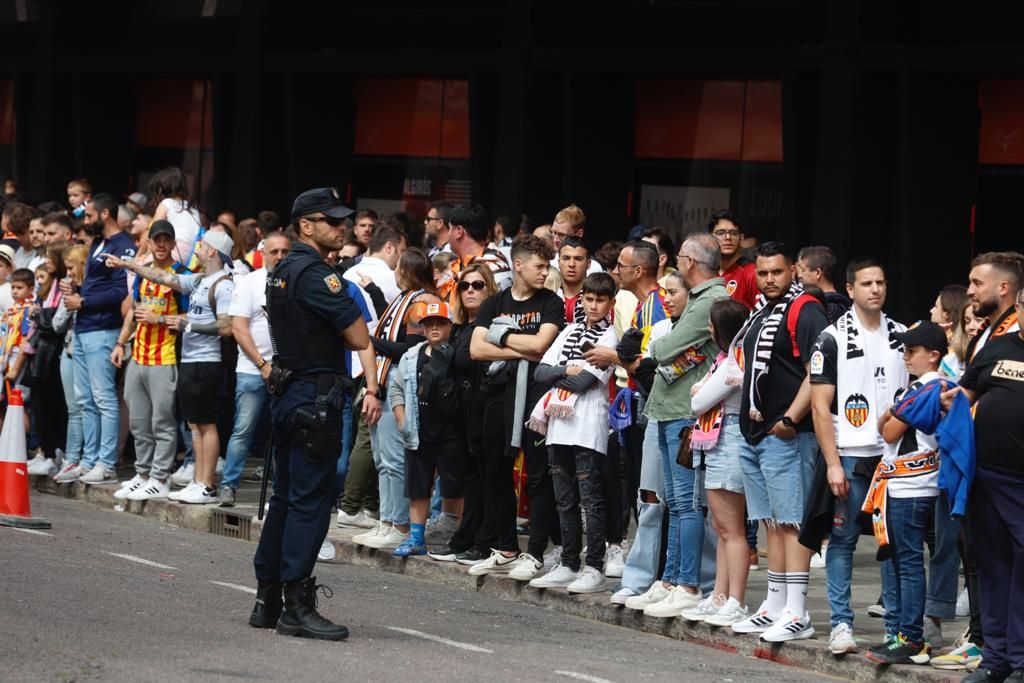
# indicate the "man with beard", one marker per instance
pixel 995 278
pixel 97 324
pixel 778 449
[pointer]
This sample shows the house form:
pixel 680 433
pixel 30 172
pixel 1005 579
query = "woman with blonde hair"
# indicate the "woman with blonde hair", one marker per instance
pixel 63 321
pixel 947 313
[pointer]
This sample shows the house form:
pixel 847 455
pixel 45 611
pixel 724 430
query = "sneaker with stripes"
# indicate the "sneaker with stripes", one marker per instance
pixel 758 622
pixel 789 627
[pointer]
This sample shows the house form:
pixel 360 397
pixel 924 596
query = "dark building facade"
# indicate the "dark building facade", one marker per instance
pixel 894 129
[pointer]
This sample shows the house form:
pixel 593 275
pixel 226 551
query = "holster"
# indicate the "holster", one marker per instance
pixel 319 431
pixel 278 380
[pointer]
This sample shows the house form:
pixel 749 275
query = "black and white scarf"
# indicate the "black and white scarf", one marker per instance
pixel 572 349
pixel 761 362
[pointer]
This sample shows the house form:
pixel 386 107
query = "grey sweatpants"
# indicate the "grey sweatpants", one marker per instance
pixel 149 393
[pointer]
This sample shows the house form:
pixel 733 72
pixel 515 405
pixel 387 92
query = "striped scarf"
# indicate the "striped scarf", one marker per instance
pixel 761 362
pixel 389 326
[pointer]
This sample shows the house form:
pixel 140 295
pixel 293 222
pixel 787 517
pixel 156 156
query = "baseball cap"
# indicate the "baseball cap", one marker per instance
pixel 438 310
pixel 925 333
pixel 161 227
pixel 222 243
pixel 323 199
pixel 138 198
pixel 7 254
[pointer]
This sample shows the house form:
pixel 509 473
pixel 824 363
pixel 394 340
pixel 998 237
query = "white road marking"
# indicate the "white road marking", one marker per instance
pixel 31 531
pixel 583 677
pixel 236 586
pixel 148 563
pixel 439 639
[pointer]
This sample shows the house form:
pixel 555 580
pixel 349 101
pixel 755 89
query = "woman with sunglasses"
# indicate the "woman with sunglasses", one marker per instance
pixel 475 283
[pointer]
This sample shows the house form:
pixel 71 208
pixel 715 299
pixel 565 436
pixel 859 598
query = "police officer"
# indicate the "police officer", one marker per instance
pixel 312 322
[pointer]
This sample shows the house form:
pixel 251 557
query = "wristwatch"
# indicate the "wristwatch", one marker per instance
pixel 787 421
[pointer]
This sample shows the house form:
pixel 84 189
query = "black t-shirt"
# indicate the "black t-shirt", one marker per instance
pixel 544 307
pixel 786 372
pixel 996 375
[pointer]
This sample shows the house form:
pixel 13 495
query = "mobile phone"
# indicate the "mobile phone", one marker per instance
pixel 587 346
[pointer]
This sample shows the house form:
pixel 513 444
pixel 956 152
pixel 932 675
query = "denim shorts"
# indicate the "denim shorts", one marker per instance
pixel 722 463
pixel 777 477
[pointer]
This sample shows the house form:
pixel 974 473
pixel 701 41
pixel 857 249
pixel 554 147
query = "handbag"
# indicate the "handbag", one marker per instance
pixel 684 456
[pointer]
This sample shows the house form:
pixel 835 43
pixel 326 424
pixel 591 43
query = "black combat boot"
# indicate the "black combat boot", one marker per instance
pixel 300 617
pixel 268 605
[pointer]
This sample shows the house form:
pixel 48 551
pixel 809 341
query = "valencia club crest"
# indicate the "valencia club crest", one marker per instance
pixel 857 409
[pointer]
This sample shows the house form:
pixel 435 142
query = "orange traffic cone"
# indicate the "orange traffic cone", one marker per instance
pixel 14 508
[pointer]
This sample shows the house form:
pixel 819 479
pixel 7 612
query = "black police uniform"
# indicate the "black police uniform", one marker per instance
pixel 308 307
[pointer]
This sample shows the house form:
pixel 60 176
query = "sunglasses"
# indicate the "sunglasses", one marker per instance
pixel 475 284
pixel 329 220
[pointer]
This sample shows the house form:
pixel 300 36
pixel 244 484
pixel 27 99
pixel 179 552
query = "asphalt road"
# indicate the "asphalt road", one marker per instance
pixel 112 596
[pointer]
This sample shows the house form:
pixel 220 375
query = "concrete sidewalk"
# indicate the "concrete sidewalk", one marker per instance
pixel 240 522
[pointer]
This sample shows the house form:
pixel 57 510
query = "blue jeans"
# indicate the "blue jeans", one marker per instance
pixel 73 449
pixel 251 397
pixel 909 521
pixel 642 562
pixel 842 543
pixel 389 457
pixel 346 447
pixel 685 521
pixel 95 386
pixel 943 564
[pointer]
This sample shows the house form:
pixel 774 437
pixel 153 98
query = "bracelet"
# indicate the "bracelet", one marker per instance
pixel 121 344
pixel 263 361
pixel 373 392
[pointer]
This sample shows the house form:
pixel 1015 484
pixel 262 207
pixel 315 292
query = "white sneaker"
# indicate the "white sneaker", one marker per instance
pixel 553 557
pixel 527 566
pixel 151 489
pixel 678 599
pixel 841 641
pixel 42 466
pixel 220 467
pixel 620 596
pixel 495 564
pixel 440 529
pixel 704 609
pixel 176 495
pixel 198 494
pixel 559 577
pixel 590 580
pixel 789 627
pixel 327 551
pixel 357 521
pixel 100 474
pixel 758 622
pixel 129 486
pixel 72 471
pixel 391 539
pixel 732 612
pixel 654 594
pixel 818 559
pixel 614 561
pixel 963 604
pixel 184 474
pixel 379 529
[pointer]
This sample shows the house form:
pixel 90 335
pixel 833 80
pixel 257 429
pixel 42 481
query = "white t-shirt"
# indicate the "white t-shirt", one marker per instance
pixel 186 227
pixel 588 425
pixel 204 348
pixel 378 272
pixel 924 485
pixel 248 301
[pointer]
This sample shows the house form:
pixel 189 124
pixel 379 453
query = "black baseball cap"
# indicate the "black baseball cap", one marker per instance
pixel 161 227
pixel 927 334
pixel 325 200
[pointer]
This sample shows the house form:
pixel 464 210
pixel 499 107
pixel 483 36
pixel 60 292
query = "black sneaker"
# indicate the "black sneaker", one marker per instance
pixel 902 651
pixel 982 675
pixel 471 557
pixel 887 641
pixel 445 554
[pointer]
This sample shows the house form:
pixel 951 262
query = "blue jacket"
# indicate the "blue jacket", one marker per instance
pixel 104 288
pixel 922 410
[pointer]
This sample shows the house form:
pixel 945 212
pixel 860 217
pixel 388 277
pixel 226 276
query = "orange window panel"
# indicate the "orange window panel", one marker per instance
pixel 6 112
pixel 1001 137
pixel 175 113
pixel 409 117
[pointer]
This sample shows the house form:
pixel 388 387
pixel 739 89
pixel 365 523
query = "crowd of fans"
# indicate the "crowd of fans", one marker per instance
pixel 691 392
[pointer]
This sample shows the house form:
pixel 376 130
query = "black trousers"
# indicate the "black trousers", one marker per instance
pixel 499 497
pixel 544 524
pixel 578 477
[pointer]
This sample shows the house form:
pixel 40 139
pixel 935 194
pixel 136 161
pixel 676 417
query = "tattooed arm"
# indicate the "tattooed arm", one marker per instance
pixel 157 275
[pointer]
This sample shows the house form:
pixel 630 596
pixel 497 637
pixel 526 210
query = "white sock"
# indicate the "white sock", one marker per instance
pixel 796 592
pixel 776 593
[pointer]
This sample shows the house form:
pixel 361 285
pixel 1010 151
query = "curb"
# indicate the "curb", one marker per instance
pixel 811 655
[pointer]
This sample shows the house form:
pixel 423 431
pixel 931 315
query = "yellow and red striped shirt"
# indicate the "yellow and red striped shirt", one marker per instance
pixel 154 344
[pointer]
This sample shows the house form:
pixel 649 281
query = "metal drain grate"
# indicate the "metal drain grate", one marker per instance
pixel 231 525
